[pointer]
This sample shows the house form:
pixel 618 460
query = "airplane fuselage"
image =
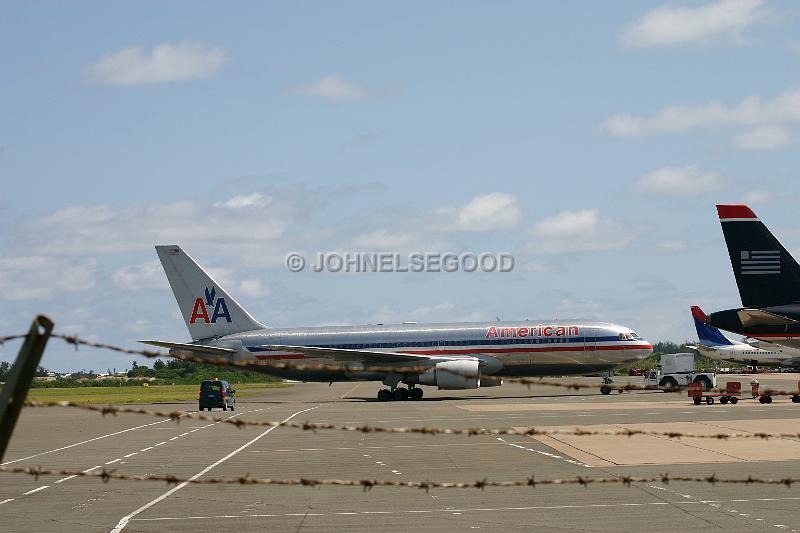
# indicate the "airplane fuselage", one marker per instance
pixel 750 355
pixel 529 348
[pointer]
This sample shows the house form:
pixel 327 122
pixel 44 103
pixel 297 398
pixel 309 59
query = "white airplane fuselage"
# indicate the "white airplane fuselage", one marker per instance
pixel 504 348
pixel 746 354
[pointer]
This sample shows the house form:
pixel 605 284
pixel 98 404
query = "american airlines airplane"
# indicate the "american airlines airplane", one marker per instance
pixel 714 344
pixel 448 356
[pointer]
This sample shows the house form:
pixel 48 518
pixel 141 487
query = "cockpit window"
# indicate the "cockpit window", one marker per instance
pixel 629 336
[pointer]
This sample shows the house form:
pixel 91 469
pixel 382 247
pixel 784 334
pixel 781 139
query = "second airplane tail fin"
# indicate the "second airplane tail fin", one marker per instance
pixel 707 335
pixel 766 274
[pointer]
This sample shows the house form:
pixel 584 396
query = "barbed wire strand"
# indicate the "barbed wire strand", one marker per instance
pixel 366 428
pixel 400 368
pixel 366 484
pixel 259 366
pixel 9 338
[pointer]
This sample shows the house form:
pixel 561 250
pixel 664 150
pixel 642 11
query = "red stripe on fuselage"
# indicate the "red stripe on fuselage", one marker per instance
pixel 582 348
pixel 286 356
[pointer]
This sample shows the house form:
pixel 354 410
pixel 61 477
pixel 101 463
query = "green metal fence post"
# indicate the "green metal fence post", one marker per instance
pixel 20 377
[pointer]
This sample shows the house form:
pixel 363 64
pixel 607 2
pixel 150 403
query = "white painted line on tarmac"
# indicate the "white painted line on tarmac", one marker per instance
pixel 160 443
pixel 130 455
pixel 184 434
pixel 145 449
pixel 35 490
pixel 547 454
pixel 7 500
pixel 83 442
pixel 123 522
pixel 452 510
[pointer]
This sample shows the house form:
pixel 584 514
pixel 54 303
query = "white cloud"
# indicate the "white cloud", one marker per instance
pixel 757 197
pixel 254 200
pixel 253 288
pixel 103 229
pixel 751 111
pixel 163 63
pixel 579 231
pixel 672 25
pixel 334 88
pixel 42 277
pixel 438 312
pixel 136 277
pixel 671 246
pixel 581 307
pixel 764 138
pixel 793 46
pixel 431 230
pixel 496 210
pixel 491 211
pixel 680 181
pixel 382 239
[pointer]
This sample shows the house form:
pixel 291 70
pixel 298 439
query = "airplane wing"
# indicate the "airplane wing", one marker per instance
pixel 198 348
pixel 341 354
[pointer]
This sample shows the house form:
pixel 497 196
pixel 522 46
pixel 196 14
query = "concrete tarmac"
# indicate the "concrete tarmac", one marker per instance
pixel 136 444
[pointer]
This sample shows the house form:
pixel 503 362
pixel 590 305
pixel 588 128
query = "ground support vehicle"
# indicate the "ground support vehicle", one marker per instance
pixel 677 370
pixel 731 394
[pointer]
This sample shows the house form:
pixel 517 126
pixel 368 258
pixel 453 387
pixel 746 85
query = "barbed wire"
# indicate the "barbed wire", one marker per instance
pixel 400 368
pixel 366 428
pixel 259 366
pixel 367 484
pixel 9 338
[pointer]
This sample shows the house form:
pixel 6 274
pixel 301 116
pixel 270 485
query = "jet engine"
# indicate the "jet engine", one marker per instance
pixel 453 375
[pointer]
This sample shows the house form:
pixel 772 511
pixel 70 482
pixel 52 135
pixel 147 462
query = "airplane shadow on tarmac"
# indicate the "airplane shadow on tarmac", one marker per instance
pixel 491 398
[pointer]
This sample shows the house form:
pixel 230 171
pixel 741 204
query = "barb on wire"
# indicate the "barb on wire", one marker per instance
pixel 365 428
pixel 255 365
pixel 366 484
pixel 8 338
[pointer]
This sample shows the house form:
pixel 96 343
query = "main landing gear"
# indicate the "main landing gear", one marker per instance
pixel 399 394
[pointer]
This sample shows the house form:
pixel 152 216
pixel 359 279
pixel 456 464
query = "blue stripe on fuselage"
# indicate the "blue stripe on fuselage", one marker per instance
pixel 461 343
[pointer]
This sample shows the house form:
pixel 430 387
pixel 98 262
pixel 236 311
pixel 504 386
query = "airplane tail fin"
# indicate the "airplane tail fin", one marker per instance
pixel 207 309
pixel 708 335
pixel 766 274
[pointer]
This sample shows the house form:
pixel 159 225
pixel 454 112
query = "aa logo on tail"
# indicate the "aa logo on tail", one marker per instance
pixel 200 311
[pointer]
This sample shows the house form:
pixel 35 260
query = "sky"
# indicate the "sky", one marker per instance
pixel 591 140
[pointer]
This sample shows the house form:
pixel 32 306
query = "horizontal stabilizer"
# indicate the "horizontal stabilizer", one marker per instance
pixel 757 317
pixel 341 354
pixel 197 348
